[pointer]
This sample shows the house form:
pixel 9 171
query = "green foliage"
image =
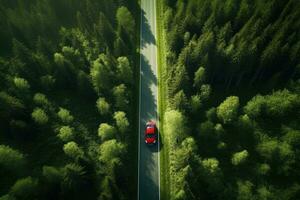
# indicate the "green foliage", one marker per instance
pixel 39 116
pixel 52 174
pixel 21 84
pixel 111 152
pixel 228 110
pixel 121 121
pixel 25 188
pixel 239 158
pixel 103 106
pixel 41 100
pixel 124 70
pixel 11 159
pixel 65 116
pixel 120 96
pixel 73 177
pixel 72 150
pixel 199 77
pixel 106 132
pixel 66 133
pixel 125 20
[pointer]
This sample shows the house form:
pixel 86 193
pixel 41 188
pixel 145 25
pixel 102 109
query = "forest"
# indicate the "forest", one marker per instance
pixel 67 74
pixel 232 79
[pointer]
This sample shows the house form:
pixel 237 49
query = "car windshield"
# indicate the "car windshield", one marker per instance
pixel 150 135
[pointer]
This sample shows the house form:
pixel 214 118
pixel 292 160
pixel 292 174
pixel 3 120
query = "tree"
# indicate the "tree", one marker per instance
pixel 72 150
pixel 124 70
pixel 199 77
pixel 52 174
pixel 175 127
pixel 66 133
pixel 228 110
pixel 121 121
pixel 245 190
pixel 74 176
pixel 239 158
pixel 103 106
pixel 25 188
pixel 39 116
pixel 120 96
pixel 41 100
pixel 101 73
pixel 21 84
pixel 65 116
pixel 111 152
pixel 180 102
pixel 126 20
pixel 11 159
pixel 106 132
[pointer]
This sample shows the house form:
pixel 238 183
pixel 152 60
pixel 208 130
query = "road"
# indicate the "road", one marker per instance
pixel 148 183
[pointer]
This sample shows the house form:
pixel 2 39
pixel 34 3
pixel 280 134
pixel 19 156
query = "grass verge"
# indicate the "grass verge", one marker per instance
pixel 162 99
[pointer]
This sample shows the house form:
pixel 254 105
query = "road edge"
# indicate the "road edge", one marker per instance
pixel 164 159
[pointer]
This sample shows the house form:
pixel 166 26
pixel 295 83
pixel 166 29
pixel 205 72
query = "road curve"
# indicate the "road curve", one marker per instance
pixel 148 169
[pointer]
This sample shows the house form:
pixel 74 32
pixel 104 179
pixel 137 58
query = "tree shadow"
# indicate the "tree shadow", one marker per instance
pixel 147 36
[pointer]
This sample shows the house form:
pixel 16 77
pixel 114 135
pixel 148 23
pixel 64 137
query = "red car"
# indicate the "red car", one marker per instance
pixel 150 133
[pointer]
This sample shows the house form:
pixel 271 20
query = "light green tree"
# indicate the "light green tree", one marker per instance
pixel 126 20
pixel 41 99
pixel 103 106
pixel 66 133
pixel 228 110
pixel 124 70
pixel 120 96
pixel 72 150
pixel 199 77
pixel 111 152
pixel 239 158
pixel 121 121
pixel 39 116
pixel 65 116
pixel 21 83
pixel 106 132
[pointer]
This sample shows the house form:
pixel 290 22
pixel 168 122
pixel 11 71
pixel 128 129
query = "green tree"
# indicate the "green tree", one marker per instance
pixel 41 100
pixel 25 188
pixel 103 106
pixel 239 158
pixel 124 70
pixel 101 73
pixel 74 177
pixel 21 84
pixel 120 96
pixel 175 127
pixel 245 190
pixel 126 20
pixel 199 77
pixel 39 116
pixel 121 121
pixel 11 159
pixel 65 116
pixel 66 133
pixel 106 132
pixel 52 174
pixel 72 150
pixel 228 110
pixel 111 152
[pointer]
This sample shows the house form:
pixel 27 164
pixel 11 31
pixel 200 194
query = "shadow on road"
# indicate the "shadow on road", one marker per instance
pixel 146 32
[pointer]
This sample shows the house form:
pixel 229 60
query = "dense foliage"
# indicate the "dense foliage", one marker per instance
pixel 66 70
pixel 233 93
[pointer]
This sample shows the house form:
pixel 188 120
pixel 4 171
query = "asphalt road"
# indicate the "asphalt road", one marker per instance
pixel 148 183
